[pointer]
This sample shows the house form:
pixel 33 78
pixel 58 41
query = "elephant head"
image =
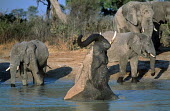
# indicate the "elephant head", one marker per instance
pixel 161 11
pixel 161 15
pixel 139 16
pixel 143 46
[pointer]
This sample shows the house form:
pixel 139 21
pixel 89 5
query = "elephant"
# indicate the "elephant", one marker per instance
pixel 92 81
pixel 100 59
pixel 134 17
pixel 28 56
pixel 129 46
pixel 161 16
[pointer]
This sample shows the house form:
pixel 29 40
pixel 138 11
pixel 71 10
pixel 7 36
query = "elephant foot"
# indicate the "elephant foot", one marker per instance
pixel 120 80
pixel 153 74
pixel 134 80
pixel 24 82
pixel 12 85
pixel 39 84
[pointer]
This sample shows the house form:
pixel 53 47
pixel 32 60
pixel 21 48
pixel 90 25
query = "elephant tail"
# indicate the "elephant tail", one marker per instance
pixel 90 39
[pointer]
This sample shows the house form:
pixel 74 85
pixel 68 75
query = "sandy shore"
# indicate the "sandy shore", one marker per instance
pixel 66 64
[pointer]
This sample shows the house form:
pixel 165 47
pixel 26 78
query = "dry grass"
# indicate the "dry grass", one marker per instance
pixel 58 45
pixel 5 49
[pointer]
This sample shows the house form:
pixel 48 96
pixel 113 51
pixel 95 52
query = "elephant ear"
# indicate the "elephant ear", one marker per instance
pixel 134 44
pixel 159 11
pixel 130 13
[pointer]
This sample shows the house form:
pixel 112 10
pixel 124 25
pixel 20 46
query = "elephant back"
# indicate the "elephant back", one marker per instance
pixel 41 51
pixel 119 45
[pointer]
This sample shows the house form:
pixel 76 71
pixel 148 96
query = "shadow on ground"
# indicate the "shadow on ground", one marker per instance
pixel 162 50
pixel 58 73
pixel 4 75
pixel 143 68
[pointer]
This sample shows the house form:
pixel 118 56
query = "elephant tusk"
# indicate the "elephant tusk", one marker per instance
pixel 152 55
pixel 17 68
pixel 113 37
pixel 143 30
pixel 155 29
pixel 8 69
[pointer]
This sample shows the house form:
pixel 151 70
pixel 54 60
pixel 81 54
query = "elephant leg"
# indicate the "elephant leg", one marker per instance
pixel 134 67
pixel 122 68
pixel 23 74
pixel 37 77
pixel 13 72
pixel 152 65
pixel 45 69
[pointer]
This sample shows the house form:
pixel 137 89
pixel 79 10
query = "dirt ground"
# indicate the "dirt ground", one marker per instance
pixel 66 64
pixel 70 62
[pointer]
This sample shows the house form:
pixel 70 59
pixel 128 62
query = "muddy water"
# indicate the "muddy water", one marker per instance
pixel 146 95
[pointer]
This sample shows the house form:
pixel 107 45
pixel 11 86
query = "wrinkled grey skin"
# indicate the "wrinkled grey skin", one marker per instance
pixel 134 17
pixel 100 59
pixel 129 46
pixel 97 87
pixel 29 56
pixel 161 16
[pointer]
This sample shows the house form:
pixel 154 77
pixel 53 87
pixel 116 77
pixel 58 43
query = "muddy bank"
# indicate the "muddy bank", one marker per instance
pixel 66 64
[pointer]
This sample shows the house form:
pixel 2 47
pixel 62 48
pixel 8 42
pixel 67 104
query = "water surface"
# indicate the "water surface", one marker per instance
pixel 146 95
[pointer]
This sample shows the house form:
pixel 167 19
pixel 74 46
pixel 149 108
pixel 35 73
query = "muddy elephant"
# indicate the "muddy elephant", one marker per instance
pixel 134 17
pixel 100 59
pixel 92 81
pixel 161 16
pixel 29 56
pixel 128 47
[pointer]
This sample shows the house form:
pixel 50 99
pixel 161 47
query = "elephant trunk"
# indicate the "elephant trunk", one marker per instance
pixel 90 39
pixel 147 27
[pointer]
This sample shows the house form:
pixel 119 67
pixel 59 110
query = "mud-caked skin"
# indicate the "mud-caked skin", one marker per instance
pixel 97 87
pixel 29 56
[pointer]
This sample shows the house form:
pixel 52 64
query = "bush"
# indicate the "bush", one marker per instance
pixel 165 34
pixel 52 31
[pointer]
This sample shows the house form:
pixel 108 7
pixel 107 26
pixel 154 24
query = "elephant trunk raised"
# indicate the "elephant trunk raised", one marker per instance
pixel 90 39
pixel 92 82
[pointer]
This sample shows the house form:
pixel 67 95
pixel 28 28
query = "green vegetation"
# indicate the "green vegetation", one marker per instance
pixel 83 17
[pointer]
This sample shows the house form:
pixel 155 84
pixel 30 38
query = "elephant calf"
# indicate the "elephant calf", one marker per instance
pixel 29 56
pixel 128 46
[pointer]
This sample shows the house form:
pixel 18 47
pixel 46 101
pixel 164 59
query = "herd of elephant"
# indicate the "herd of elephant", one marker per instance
pixel 136 29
